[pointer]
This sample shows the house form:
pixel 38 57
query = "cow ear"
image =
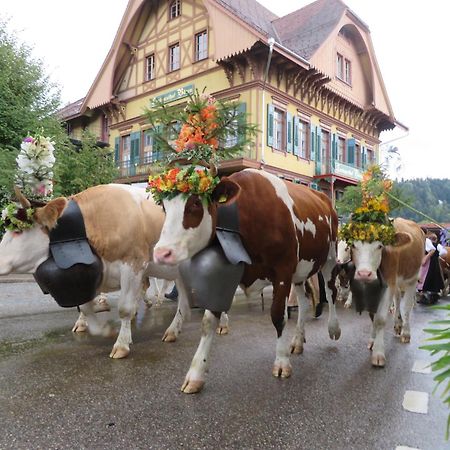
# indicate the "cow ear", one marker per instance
pixel 401 239
pixel 50 213
pixel 225 192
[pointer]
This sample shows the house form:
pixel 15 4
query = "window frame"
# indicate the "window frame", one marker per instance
pixel 171 48
pixel 343 69
pixel 174 9
pixel 196 46
pixel 147 78
pixel 126 138
pixel 303 137
pixel 279 128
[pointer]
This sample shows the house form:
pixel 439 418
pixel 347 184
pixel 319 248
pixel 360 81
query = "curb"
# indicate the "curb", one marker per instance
pixel 25 278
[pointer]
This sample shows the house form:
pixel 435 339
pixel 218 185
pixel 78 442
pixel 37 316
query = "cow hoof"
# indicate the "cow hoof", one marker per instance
pixel 296 349
pixel 169 336
pixel 281 371
pixel 405 339
pixel 347 305
pixel 192 386
pixel 334 333
pixel 223 330
pixel 101 305
pixel 378 360
pixel 370 344
pixel 119 352
pixel 80 326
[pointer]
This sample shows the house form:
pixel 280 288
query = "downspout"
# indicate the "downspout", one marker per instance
pixel 271 42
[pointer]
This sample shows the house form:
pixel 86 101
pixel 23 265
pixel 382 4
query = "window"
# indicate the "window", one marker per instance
pixel 126 147
pixel 325 148
pixel 174 57
pixel 339 66
pixel 303 139
pixel 148 147
pixel 201 45
pixel 279 129
pixel 175 9
pixel 370 157
pixel 343 69
pixel 341 149
pixel 150 68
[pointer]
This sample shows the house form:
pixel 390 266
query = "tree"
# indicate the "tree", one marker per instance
pixel 77 169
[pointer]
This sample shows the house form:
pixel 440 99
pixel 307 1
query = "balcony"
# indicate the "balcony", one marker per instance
pixel 338 168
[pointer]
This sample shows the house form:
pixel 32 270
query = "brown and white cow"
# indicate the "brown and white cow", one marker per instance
pixel 122 225
pixel 445 267
pixel 288 230
pixel 398 265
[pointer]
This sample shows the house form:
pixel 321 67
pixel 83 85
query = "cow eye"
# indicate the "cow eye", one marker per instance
pixel 380 246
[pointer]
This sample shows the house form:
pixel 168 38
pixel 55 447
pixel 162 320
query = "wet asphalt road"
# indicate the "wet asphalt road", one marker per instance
pixel 62 391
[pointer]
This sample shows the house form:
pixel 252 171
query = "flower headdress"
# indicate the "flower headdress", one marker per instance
pixel 202 133
pixel 370 222
pixel 34 178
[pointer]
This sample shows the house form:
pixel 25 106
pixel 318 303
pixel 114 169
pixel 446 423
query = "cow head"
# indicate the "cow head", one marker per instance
pixel 366 256
pixel 190 224
pixel 23 251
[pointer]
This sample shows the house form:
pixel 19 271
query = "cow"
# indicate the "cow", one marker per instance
pixel 342 281
pixel 445 267
pixel 289 232
pixel 122 223
pixel 396 267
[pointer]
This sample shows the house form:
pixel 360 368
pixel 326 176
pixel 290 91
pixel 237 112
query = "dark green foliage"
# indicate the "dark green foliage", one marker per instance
pixel 430 196
pixel 77 169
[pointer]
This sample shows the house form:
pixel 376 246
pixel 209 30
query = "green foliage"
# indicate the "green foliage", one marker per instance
pixel 77 169
pixel 430 196
pixel 440 338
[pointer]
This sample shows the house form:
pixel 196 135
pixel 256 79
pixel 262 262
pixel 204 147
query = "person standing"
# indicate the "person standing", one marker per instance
pixel 430 279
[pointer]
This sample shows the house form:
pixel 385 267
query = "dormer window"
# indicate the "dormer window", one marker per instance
pixel 175 9
pixel 343 69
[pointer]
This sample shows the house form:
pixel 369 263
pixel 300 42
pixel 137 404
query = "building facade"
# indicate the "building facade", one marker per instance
pixel 310 80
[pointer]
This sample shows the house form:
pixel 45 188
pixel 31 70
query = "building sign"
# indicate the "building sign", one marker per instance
pixel 176 94
pixel 347 171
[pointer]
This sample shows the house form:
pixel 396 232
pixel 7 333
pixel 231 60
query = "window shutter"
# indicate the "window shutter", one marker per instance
pixel 351 151
pixel 319 144
pixel 334 142
pixel 117 149
pixel 135 141
pixel 363 157
pixel 313 144
pixel 296 126
pixel 270 114
pixel 289 134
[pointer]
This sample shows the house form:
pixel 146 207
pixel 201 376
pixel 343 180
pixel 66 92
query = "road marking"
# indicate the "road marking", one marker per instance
pixel 421 366
pixel 416 401
pixel 404 447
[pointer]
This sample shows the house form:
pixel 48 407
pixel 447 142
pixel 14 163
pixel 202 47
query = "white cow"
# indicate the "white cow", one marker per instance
pixel 123 224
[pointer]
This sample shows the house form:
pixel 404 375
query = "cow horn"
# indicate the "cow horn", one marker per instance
pixel 22 199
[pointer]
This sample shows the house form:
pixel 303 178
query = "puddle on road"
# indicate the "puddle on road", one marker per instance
pixel 58 335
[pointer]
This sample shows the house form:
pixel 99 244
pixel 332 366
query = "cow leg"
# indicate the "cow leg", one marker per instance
pixel 329 273
pixel 398 321
pixel 81 325
pixel 195 378
pixel 88 318
pixel 130 290
pixel 282 366
pixel 183 313
pixel 223 324
pixel 408 303
pixel 379 323
pixel 299 334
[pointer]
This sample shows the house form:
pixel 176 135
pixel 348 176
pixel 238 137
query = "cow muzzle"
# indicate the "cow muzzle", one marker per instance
pixel 365 275
pixel 164 255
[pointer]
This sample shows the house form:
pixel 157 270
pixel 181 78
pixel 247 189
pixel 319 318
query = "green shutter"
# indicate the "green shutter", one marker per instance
pixel 270 116
pixel 296 126
pixel 157 151
pixel 313 143
pixel 289 134
pixel 351 151
pixel 117 149
pixel 319 144
pixel 334 142
pixel 363 157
